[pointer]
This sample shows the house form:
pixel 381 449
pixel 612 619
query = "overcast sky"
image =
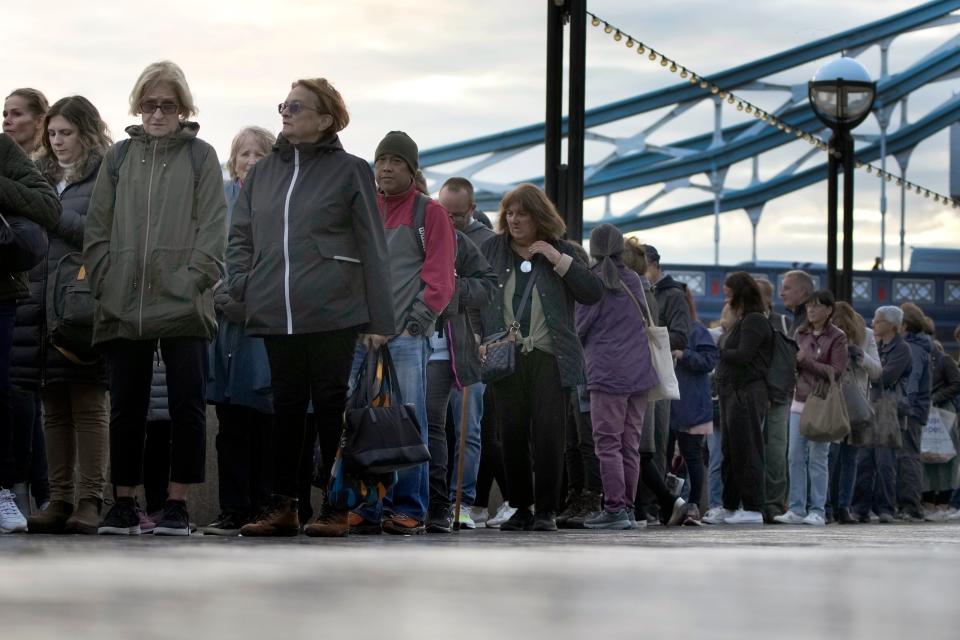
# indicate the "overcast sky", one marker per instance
pixel 448 70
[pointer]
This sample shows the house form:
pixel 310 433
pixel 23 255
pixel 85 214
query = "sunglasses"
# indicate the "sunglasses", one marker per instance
pixel 149 107
pixel 294 107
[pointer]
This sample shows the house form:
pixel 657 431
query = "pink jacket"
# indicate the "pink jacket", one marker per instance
pixel 826 358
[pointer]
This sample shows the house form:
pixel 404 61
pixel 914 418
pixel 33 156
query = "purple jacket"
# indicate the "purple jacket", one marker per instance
pixel 615 342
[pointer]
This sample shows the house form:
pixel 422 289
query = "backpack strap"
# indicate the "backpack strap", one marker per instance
pixel 198 155
pixel 119 156
pixel 419 220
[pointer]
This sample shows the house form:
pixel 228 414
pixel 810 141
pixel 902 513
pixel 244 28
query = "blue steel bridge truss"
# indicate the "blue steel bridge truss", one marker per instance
pixel 633 162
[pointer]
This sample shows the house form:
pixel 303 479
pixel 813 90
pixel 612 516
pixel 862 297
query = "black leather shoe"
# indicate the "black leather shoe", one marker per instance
pixel 845 517
pixel 522 520
pixel 545 521
pixel 439 520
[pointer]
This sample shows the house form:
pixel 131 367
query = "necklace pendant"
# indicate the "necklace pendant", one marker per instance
pixel 526 266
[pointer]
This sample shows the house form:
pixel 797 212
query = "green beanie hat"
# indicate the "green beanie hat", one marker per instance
pixel 398 143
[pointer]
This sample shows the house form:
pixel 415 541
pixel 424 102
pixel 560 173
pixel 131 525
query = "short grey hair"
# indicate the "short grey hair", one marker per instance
pixel 893 315
pixel 803 279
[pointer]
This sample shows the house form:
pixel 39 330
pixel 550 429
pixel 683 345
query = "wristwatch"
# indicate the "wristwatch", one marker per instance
pixel 413 328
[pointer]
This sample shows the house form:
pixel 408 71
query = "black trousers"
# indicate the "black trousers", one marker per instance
pixel 439 384
pixel 531 407
pixel 130 366
pixel 491 452
pixel 156 464
pixel 691 448
pixel 8 472
pixel 307 367
pixel 244 458
pixel 742 411
pixel 583 468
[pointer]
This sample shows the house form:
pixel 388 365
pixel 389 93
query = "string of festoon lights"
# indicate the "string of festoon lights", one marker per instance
pixel 747 107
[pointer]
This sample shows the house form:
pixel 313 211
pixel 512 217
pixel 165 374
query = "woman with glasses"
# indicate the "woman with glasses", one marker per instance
pixel 153 250
pixel 821 356
pixel 308 260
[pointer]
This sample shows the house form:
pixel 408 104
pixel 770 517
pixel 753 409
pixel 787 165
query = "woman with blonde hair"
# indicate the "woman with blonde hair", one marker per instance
pixel 863 363
pixel 541 280
pixel 23 118
pixel 153 250
pixel 239 382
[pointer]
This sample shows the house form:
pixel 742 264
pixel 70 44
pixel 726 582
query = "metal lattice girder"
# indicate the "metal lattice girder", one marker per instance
pixel 651 167
pixel 903 139
pixel 730 79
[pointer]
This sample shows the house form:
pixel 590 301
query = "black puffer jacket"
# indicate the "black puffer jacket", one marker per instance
pixel 23 192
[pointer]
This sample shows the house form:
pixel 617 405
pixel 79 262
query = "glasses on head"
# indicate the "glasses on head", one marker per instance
pixel 294 107
pixel 149 107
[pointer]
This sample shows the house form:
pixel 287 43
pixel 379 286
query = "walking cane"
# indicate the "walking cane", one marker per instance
pixel 463 446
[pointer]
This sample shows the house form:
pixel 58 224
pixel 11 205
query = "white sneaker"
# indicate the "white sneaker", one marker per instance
pixel 951 514
pixel 744 517
pixel 716 515
pixel 814 519
pixel 479 515
pixel 790 518
pixel 934 514
pixel 504 513
pixel 465 521
pixel 11 519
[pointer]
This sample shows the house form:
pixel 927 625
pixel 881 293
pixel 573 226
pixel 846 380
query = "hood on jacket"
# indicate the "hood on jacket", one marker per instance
pixel 920 340
pixel 667 282
pixel 284 148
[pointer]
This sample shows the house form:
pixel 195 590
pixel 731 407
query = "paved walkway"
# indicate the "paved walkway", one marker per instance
pixel 865 581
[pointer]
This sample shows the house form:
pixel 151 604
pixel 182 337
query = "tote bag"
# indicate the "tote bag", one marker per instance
pixel 824 417
pixel 936 441
pixel 658 339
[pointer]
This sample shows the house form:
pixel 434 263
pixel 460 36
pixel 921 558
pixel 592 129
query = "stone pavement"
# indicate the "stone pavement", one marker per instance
pixel 864 581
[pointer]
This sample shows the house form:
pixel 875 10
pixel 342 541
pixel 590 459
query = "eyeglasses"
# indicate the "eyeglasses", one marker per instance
pixel 294 107
pixel 149 107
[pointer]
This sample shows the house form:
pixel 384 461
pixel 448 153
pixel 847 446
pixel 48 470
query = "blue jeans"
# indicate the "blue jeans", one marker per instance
pixel 714 477
pixel 808 469
pixel 843 475
pixel 471 454
pixel 412 492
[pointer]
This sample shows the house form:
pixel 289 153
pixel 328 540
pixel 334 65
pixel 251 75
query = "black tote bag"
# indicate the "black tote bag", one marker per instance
pixel 381 433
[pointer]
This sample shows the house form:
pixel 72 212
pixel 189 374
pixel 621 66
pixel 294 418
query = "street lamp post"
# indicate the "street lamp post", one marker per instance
pixel 841 94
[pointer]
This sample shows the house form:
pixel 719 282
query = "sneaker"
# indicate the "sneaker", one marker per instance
pixel 400 524
pixel 589 503
pixel 934 514
pixel 692 518
pixel 521 520
pixel 863 517
pixel 439 520
pixel 121 520
pixel 814 519
pixel 174 521
pixel 465 521
pixel 790 518
pixel 744 517
pixel 716 515
pixel 504 513
pixel 845 517
pixel 679 513
pixel 886 518
pixel 226 524
pixel 479 515
pixel 571 508
pixel 606 520
pixel 952 514
pixel 360 526
pixel 545 521
pixel 906 516
pixel 11 518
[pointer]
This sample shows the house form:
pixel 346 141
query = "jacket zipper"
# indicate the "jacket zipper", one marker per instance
pixel 286 241
pixel 146 240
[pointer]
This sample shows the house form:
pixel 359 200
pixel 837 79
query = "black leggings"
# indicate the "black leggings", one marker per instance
pixel 691 448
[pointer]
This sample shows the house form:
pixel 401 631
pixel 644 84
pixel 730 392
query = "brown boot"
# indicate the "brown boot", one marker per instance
pixel 52 519
pixel 330 524
pixel 86 519
pixel 280 519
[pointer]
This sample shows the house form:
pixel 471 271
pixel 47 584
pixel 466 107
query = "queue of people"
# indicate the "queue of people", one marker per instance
pixel 265 294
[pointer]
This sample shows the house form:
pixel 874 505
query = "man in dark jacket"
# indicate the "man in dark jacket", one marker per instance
pixel 795 290
pixel 454 368
pixel 674 314
pixel 877 467
pixel 24 193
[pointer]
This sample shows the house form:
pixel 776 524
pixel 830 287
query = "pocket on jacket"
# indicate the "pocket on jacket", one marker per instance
pixel 117 293
pixel 169 277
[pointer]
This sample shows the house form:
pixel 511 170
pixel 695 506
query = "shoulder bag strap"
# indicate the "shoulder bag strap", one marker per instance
pixel 642 308
pixel 515 327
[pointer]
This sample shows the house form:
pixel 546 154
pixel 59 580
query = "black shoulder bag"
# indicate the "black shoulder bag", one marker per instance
pixel 23 244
